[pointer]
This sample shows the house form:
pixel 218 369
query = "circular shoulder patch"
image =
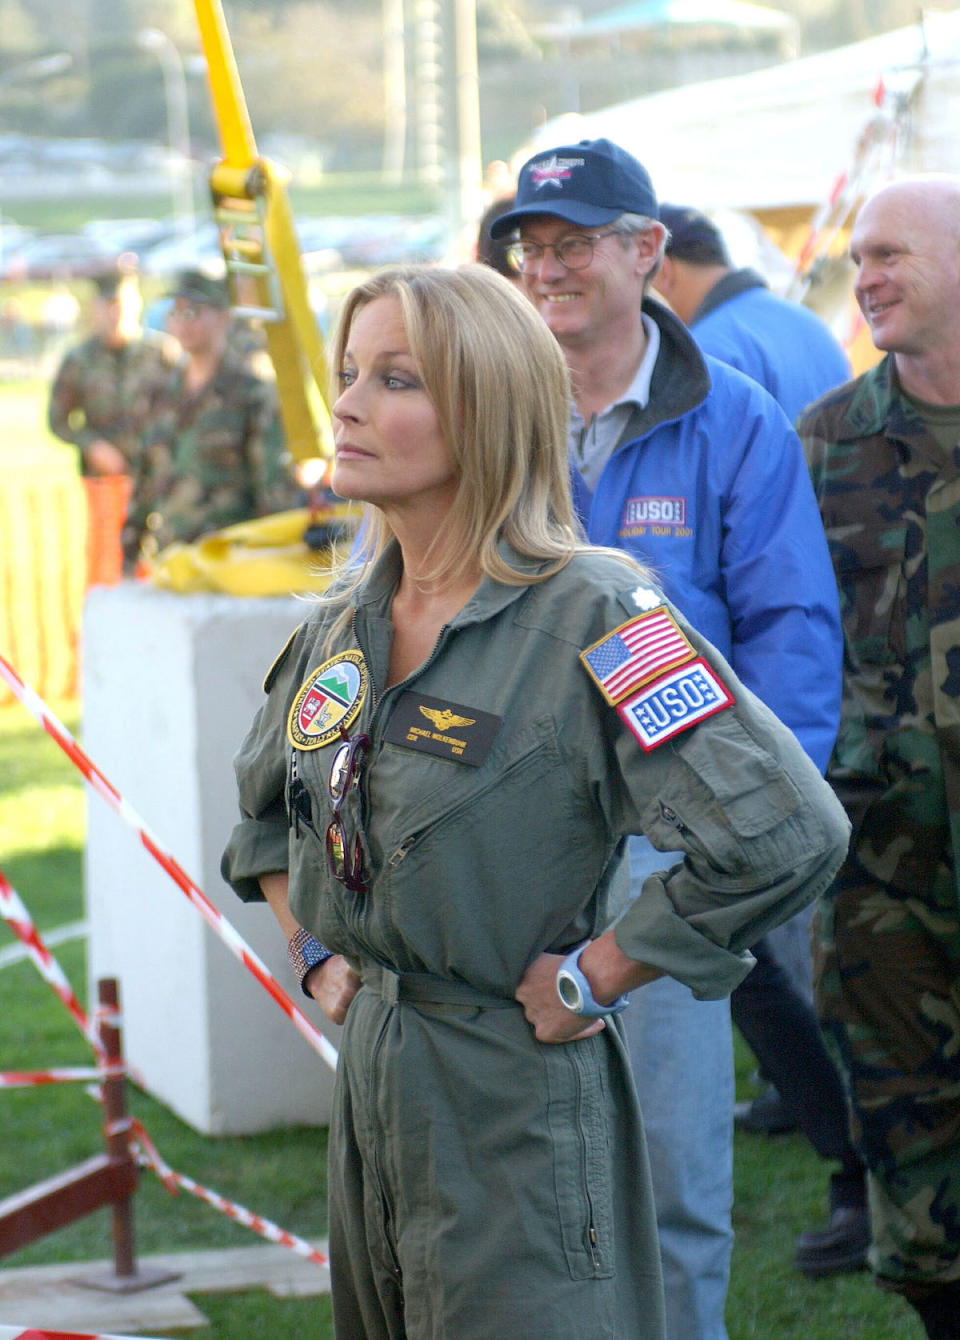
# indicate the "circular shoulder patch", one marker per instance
pixel 329 698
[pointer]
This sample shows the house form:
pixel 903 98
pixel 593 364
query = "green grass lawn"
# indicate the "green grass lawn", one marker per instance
pixel 350 193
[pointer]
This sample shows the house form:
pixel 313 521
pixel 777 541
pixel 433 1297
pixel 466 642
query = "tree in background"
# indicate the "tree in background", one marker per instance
pixel 306 68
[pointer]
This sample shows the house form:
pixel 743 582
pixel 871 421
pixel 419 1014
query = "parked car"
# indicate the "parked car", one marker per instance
pixel 55 256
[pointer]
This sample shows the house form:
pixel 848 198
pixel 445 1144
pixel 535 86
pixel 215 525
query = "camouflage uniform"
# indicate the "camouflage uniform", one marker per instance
pixel 106 393
pixel 208 460
pixel 888 951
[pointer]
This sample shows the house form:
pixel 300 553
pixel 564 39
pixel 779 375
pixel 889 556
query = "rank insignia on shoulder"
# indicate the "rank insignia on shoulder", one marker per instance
pixel 635 653
pixel 646 598
pixel 674 703
pixel 329 699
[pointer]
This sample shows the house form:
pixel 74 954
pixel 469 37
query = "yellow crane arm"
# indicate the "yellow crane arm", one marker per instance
pixel 260 249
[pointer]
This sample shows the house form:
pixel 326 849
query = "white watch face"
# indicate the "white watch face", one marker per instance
pixel 570 992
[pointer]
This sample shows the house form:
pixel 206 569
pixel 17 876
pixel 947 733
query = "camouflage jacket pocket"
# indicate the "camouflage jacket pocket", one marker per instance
pixel 869 562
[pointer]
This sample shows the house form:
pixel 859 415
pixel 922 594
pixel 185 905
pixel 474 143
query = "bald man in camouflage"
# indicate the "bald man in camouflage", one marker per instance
pixel 885 454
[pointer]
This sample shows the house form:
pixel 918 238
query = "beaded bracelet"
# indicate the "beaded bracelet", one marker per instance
pixel 304 953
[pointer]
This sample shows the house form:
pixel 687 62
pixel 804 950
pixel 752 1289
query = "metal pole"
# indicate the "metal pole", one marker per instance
pixel 115 1112
pixel 394 90
pixel 178 123
pixel 469 186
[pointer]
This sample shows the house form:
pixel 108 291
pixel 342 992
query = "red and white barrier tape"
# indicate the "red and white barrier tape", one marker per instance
pixel 15 1333
pixel 21 923
pixel 174 1181
pixel 26 1079
pixel 17 916
pixel 230 937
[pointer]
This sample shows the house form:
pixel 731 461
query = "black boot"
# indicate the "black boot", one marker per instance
pixel 843 1244
pixel 939 1311
pixel 766 1114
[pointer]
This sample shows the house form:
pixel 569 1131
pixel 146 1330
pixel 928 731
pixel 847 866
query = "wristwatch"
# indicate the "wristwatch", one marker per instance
pixel 574 989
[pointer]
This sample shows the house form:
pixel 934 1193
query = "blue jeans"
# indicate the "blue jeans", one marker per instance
pixel 682 1054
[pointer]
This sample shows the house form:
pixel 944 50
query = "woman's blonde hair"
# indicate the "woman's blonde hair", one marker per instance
pixel 500 386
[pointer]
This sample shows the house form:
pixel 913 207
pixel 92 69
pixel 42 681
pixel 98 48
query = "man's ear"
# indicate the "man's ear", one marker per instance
pixel 665 278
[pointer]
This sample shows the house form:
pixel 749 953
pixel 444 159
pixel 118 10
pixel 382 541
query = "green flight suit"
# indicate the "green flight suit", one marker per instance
pixel 481 1183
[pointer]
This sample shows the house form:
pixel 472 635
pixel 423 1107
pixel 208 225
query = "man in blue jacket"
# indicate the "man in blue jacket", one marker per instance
pixel 695 470
pixel 733 315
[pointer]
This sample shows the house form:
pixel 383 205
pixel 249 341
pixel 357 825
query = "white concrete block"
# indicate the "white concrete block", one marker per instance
pixel 170 686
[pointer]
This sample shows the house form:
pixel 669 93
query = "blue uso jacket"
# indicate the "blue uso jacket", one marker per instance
pixel 780 344
pixel 709 488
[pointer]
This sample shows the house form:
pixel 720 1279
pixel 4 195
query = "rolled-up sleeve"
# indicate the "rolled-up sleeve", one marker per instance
pixel 761 832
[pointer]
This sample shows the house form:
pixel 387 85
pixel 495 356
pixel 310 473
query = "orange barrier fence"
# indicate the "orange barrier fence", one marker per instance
pixel 56 539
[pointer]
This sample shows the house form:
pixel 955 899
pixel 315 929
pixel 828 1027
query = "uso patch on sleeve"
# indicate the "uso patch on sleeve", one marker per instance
pixel 673 703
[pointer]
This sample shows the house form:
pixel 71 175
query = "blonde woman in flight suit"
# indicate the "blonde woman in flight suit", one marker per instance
pixel 434 796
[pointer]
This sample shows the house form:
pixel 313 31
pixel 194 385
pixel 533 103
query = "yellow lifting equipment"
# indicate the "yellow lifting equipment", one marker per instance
pixel 261 252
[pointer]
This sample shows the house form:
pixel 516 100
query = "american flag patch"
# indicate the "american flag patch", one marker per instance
pixel 635 653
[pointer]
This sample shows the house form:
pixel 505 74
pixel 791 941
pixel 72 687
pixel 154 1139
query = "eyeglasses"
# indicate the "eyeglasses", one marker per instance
pixel 345 861
pixel 574 252
pixel 188 311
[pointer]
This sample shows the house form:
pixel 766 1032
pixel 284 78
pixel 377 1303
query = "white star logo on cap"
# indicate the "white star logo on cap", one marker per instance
pixel 552 171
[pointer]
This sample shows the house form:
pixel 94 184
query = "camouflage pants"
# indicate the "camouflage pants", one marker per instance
pixel 887 979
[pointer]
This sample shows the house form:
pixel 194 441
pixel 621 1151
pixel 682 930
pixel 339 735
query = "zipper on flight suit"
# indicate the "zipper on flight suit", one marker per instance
pixel 593 1245
pixel 672 818
pixel 412 839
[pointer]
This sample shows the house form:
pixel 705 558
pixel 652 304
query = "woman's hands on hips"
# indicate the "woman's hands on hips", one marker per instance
pixel 333 985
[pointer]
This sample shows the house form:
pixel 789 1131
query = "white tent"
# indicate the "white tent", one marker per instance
pixel 669 15
pixel 779 138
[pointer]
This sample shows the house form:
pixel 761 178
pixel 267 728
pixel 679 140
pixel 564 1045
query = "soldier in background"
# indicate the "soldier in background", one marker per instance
pixel 213 452
pixel 108 385
pixel 885 455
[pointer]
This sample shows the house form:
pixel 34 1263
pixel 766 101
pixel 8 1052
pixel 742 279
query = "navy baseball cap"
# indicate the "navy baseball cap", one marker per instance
pixel 694 237
pixel 195 286
pixel 589 183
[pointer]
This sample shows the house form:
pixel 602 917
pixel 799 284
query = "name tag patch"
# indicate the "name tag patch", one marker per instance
pixel 674 703
pixel 438 726
pixel 329 699
pixel 635 653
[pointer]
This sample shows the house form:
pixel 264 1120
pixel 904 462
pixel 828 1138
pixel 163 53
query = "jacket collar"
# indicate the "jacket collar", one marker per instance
pixel 490 597
pixel 680 379
pixel 877 406
pixel 730 286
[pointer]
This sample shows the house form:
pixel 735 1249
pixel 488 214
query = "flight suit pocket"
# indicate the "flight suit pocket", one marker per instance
pixel 734 806
pixel 579 1131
